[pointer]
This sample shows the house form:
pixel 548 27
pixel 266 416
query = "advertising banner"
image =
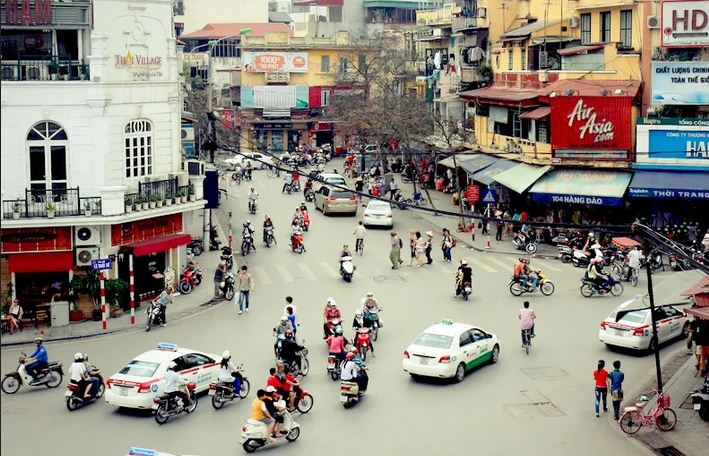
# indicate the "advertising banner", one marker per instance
pixel 675 83
pixel 690 143
pixel 275 62
pixel 685 23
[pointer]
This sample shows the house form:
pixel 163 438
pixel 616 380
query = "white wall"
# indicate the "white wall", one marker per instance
pixel 198 13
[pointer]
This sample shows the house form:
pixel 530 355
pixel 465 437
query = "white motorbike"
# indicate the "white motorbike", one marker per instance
pixel 51 377
pixel 254 434
pixel 347 268
pixel 349 393
pixel 154 317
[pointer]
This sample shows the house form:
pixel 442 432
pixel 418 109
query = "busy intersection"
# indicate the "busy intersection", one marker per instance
pixel 524 402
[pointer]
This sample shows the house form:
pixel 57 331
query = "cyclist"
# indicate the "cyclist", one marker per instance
pixel 359 236
pixel 253 198
pixel 526 317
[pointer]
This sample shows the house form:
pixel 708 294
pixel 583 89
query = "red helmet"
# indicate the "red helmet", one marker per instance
pixel 350 355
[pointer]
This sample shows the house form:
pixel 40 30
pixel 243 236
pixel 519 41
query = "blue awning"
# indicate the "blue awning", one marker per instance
pixel 575 186
pixel 669 184
pixel 485 175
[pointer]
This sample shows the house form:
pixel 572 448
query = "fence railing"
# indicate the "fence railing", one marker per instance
pixel 57 203
pixel 43 68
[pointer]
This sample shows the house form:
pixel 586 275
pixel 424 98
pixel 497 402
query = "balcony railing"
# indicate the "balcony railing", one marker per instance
pixel 43 68
pixel 466 23
pixel 156 191
pixel 59 203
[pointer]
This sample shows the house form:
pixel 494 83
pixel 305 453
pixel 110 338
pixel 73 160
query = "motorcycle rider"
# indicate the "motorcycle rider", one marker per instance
pixel 228 373
pixel 464 275
pixel 173 384
pixel 519 272
pixel 362 377
pixel 290 310
pixel 248 234
pixel 526 317
pixel 289 349
pixel 247 170
pixel 330 313
pixel 292 386
pixel 359 321
pixel 350 371
pixel 260 412
pixel 345 253
pixel 267 223
pixel 39 359
pixel 296 237
pixel 596 251
pixel 336 344
pixel 94 374
pixel 595 273
pixel 531 274
pixel 361 338
pixel 253 197
pixel 80 376
pixel 369 305
pixel 308 187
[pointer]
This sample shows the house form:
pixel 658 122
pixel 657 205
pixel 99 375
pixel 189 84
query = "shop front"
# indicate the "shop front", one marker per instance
pixel 279 136
pixel 581 187
pixel 321 133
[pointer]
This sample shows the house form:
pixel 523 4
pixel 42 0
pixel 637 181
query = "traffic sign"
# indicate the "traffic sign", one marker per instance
pixel 489 196
pixel 101 264
pixel 472 193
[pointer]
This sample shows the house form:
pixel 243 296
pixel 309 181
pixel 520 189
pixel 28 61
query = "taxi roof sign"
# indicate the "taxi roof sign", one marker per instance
pixel 167 346
pixel 447 321
pixel 135 451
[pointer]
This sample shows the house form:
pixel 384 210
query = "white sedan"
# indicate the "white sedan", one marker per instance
pixel 449 349
pixel 630 325
pixel 135 385
pixel 378 213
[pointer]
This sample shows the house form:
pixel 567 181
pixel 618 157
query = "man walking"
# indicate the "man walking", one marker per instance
pixel 244 285
pixel 429 247
pixel 616 377
pixel 395 254
pixel 164 299
pixel 218 278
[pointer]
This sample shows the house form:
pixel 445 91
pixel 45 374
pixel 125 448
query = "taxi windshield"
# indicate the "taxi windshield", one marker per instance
pixel 139 368
pixel 434 340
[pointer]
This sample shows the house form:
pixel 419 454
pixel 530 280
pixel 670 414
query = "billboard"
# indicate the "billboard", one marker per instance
pixel 678 142
pixel 275 62
pixel 680 83
pixel 685 23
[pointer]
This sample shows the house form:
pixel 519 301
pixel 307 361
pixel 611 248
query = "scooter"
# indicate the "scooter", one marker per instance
pixel 296 243
pixel 309 195
pixel 544 285
pixel 253 205
pixel 75 397
pixel 464 289
pixel 589 288
pixel 227 286
pixel 223 392
pixel 51 376
pixel 524 242
pixel 580 259
pixel 196 246
pixel 700 399
pixel 333 367
pixel 347 268
pixel 268 236
pixel 363 345
pixel 349 394
pixel 372 315
pixel 166 407
pixel 153 315
pixel 254 434
pixel 304 401
pixel 191 277
pixel 247 244
pixel 306 220
pixel 566 253
pixel 227 257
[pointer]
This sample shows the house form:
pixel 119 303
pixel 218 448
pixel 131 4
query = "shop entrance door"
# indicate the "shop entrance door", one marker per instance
pixel 277 143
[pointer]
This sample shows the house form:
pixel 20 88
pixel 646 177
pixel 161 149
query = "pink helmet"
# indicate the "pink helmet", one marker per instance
pixel 597 261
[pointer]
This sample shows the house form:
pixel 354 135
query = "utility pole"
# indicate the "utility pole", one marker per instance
pixel 654 341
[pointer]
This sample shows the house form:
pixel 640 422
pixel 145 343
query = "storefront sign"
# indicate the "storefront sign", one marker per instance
pixel 275 62
pixel 682 121
pixel 101 264
pixel 277 78
pixel 35 240
pixel 472 193
pixel 676 83
pixel 275 126
pixel 577 199
pixel 591 125
pixel 130 60
pixel 24 14
pixel 143 230
pixel 667 193
pixel 678 144
pixel 685 23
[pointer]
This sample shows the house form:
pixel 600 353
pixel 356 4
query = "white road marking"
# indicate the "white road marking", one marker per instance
pixel 329 269
pixel 479 263
pixel 548 265
pixel 506 263
pixel 284 273
pixel 307 272
pixel 263 276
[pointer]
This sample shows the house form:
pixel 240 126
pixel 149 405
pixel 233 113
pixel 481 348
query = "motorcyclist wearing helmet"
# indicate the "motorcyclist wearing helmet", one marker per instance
pixel 308 187
pixel 39 359
pixel 336 344
pixel 267 224
pixel 595 273
pixel 351 372
pixel 248 234
pixel 228 373
pixel 463 276
pixel 247 170
pixel 596 251
pixel 362 376
pixel 80 376
pixel 359 321
pixel 289 349
pixel 330 313
pixel 174 384
pixel 94 374
pixel 369 306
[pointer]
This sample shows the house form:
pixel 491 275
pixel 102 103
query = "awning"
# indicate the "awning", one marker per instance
pixel 159 244
pixel 486 175
pixel 598 188
pixel 477 163
pixel 702 312
pixel 527 29
pixel 521 176
pixel 593 88
pixel 576 50
pixel 701 287
pixel 502 95
pixel 448 162
pixel 41 262
pixel 670 184
pixel 537 114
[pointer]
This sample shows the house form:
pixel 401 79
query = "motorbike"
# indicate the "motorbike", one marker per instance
pixel 309 195
pixel 399 199
pixel 544 285
pixel 580 259
pixel 190 278
pixel 677 263
pixel 254 434
pixel 214 241
pixel 227 286
pixel 524 242
pixel 253 205
pixel 363 345
pixel 347 268
pixel 75 398
pixel 372 315
pixel 588 287
pixel 304 401
pixel 463 289
pixel 223 392
pixel 655 260
pixel 349 394
pixel 51 376
pixel 268 236
pixel 196 246
pixel 304 368
pixel 333 367
pixel 153 315
pixel 306 220
pixel 566 253
pixel 700 399
pixel 166 407
pixel 247 244
pixel 227 257
pixel 296 243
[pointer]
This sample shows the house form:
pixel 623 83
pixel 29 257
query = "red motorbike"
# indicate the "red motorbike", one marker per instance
pixel 363 343
pixel 190 278
pixel 304 401
pixel 296 242
pixel 306 220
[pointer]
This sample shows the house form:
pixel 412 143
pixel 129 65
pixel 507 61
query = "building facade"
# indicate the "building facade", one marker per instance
pixel 191 15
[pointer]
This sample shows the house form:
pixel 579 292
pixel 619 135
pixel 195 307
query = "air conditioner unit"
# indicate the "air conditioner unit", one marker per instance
pixel 543 76
pixel 194 167
pixel 183 179
pixel 187 134
pixel 482 13
pixel 9 73
pixel 87 235
pixel 573 22
pixel 84 255
pixel 653 22
pixel 37 72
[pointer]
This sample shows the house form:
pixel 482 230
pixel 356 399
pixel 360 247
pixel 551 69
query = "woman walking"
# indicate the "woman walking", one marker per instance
pixel 600 375
pixel 395 254
pixel 412 246
pixel 420 247
pixel 429 246
pixel 447 245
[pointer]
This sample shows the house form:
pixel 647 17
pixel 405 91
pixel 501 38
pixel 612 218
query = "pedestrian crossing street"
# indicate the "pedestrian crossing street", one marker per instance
pixel 314 271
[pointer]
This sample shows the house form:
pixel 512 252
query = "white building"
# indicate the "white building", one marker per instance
pixel 191 15
pixel 90 133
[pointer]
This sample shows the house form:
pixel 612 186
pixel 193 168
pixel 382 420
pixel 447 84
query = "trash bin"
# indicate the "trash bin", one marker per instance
pixel 60 313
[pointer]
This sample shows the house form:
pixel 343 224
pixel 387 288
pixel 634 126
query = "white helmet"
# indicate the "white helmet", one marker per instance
pixel 463 261
pixel 596 246
pixel 226 354
pixel 172 365
pixel 330 301
pixel 358 312
pixel 284 318
pixel 78 356
pixel 370 294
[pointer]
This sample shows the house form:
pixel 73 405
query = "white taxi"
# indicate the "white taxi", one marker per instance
pixel 630 325
pixel 135 385
pixel 449 349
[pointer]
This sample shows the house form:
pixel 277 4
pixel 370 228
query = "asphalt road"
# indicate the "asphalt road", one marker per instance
pixel 536 404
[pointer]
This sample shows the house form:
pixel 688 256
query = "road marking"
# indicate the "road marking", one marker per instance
pixel 262 274
pixel 307 272
pixel 548 265
pixel 479 263
pixel 284 273
pixel 505 265
pixel 329 269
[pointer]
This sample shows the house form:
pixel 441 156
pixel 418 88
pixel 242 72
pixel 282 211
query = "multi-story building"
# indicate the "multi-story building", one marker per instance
pixel 91 150
pixel 190 15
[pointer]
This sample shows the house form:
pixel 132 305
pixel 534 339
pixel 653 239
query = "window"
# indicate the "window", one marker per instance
pixel 586 28
pixel 516 125
pixel 465 339
pixel 47 147
pixel 178 8
pixel 344 65
pixel 325 98
pixel 325 64
pixel 626 29
pixel 605 34
pixel 434 340
pixel 523 58
pixel 509 59
pixel 542 131
pixel 478 335
pixel 138 146
pixel 362 63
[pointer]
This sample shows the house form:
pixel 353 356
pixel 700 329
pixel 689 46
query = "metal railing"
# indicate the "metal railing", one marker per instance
pixel 157 190
pixel 463 23
pixel 60 203
pixel 43 68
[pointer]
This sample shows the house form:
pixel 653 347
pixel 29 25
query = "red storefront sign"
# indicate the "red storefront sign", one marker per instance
pixel 591 127
pixel 472 193
pixel 35 240
pixel 143 230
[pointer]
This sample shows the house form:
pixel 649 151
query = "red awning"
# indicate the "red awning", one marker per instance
pixel 701 312
pixel 579 50
pixel 498 95
pixel 537 114
pixel 700 287
pixel 41 262
pixel 160 244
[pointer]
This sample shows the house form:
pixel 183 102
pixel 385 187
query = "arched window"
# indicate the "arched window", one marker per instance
pixel 138 146
pixel 47 145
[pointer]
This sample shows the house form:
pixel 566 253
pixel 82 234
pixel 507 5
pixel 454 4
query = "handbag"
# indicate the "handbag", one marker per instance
pixel 454 243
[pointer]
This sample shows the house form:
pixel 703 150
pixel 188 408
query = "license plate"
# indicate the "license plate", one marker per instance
pixel 697 406
pixel 343 398
pixel 123 391
pixel 212 392
pixel 68 393
pixel 330 365
pixel 423 361
pixel 155 406
pixel 619 332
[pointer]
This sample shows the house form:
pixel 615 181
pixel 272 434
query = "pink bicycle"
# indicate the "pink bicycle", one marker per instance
pixel 633 418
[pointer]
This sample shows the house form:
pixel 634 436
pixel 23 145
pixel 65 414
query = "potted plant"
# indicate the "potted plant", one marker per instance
pixel 158 200
pixel 87 208
pixel 129 204
pixel 193 197
pixel 51 208
pixel 181 195
pixel 16 207
pixel 144 203
pixel 168 200
pixel 151 202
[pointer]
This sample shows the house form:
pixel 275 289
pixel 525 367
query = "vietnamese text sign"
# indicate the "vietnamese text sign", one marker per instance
pixel 101 264
pixel 678 144
pixel 472 193
pixel 685 23
pixel 680 83
pixel 275 62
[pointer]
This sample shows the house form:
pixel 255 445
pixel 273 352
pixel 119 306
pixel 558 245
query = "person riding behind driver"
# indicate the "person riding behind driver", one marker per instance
pixel 359 321
pixel 267 223
pixel 80 376
pixel 173 384
pixel 531 275
pixel 330 313
pixel 595 272
pixel 289 349
pixel 228 373
pixel 336 344
pixel 465 275
pixel 519 273
pixel 272 400
pixel 39 359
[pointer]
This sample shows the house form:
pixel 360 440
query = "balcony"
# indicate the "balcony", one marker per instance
pixel 51 203
pixel 441 16
pixel 43 68
pixel 470 23
pixel 156 194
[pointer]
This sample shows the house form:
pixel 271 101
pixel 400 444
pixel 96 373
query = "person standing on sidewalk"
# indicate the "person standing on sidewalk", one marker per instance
pixel 447 245
pixel 616 377
pixel 412 246
pixel 164 300
pixel 244 285
pixel 498 225
pixel 429 247
pixel 600 375
pixel 218 278
pixel 395 254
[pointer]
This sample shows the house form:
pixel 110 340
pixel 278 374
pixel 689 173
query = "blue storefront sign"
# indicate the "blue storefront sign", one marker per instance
pixel 678 143
pixel 577 199
pixel 692 185
pixel 667 193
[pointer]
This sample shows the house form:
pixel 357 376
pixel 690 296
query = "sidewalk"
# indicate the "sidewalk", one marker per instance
pixel 182 307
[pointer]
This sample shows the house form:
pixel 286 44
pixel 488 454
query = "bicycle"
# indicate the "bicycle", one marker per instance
pixel 621 271
pixel 633 418
pixel 527 339
pixel 359 246
pixel 416 200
